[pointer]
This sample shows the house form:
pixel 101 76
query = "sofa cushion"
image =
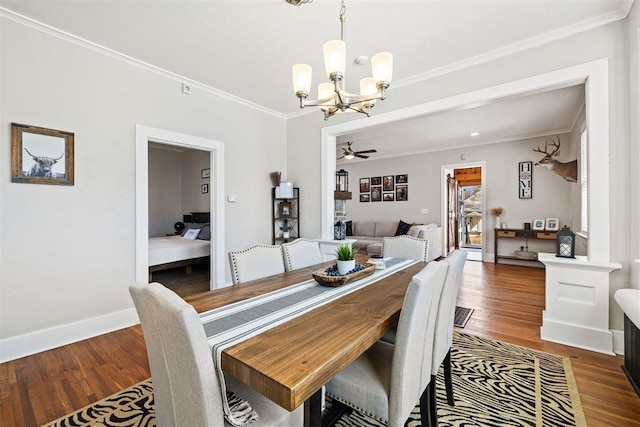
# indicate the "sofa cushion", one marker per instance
pixel 349 228
pixel 402 228
pixel 364 228
pixel 385 228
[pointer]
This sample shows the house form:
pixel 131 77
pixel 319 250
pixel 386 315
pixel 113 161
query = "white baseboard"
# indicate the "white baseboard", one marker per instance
pixel 618 341
pixel 46 339
pixel 577 336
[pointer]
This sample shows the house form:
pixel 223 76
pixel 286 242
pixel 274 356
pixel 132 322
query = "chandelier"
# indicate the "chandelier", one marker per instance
pixel 332 97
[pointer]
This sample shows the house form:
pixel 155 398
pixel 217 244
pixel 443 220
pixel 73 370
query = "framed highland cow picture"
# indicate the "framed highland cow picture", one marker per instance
pixel 41 155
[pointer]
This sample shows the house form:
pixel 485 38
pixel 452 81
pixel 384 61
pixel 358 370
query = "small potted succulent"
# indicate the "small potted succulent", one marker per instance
pixel 346 258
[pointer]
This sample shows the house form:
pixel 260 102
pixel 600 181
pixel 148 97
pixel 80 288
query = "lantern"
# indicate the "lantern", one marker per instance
pixel 565 243
pixel 342 180
pixel 339 230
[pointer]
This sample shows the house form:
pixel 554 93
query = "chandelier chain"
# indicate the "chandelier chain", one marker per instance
pixel 343 10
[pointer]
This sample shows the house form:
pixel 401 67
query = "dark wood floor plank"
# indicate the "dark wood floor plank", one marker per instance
pixel 508 303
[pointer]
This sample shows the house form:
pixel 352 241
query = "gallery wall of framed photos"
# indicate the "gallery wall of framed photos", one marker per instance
pixel 384 188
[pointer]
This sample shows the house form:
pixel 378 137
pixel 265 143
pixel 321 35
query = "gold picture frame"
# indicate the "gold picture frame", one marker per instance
pixel 36 153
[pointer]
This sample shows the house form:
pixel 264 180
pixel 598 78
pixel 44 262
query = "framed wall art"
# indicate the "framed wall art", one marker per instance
pixel 388 197
pixel 402 193
pixel 41 155
pixel 204 188
pixel 364 185
pixel 365 198
pixel 552 224
pixel 538 224
pixel 376 180
pixel 387 183
pixel 376 194
pixel 205 173
pixel 525 179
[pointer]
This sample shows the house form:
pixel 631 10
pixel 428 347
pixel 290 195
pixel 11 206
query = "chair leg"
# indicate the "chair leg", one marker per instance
pixel 448 382
pixel 433 405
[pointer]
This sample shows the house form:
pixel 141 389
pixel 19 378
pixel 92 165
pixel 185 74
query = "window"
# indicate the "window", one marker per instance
pixel 584 188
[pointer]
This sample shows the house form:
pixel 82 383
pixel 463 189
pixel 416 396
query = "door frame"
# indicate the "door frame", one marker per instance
pixel 145 135
pixel 448 169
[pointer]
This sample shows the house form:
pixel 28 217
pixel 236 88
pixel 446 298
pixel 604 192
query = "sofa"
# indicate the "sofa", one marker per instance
pixel 368 235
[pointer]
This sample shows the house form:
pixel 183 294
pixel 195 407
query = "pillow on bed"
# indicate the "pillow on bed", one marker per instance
pixel 205 232
pixel 192 225
pixel 192 233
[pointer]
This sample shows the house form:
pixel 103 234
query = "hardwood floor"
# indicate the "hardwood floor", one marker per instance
pixel 508 303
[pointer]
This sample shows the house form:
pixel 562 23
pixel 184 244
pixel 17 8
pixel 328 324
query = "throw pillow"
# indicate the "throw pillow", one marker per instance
pixel 403 228
pixel 192 233
pixel 349 228
pixel 205 232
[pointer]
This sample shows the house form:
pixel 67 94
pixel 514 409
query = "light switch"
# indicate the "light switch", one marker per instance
pixel 232 199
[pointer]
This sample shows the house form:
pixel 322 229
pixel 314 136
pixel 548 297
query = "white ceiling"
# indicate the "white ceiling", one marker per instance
pixel 245 49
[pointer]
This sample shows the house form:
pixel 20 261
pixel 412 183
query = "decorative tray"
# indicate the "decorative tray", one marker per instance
pixel 324 279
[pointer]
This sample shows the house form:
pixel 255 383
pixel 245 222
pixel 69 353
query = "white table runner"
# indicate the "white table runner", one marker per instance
pixel 234 323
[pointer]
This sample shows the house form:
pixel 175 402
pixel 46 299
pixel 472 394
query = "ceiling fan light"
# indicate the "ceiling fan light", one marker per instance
pixel 301 76
pixel 349 156
pixel 382 67
pixel 335 57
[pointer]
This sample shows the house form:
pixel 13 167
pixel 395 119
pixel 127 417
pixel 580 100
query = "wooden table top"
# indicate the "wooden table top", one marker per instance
pixel 290 362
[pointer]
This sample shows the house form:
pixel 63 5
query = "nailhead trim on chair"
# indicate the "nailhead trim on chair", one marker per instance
pixel 426 246
pixel 232 259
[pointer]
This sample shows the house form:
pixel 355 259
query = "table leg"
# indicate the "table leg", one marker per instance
pixel 313 410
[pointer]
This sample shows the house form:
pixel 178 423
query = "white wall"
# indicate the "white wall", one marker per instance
pixel 68 253
pixel 604 42
pixel 193 199
pixel 165 191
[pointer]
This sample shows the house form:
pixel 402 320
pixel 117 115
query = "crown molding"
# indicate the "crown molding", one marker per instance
pixel 95 47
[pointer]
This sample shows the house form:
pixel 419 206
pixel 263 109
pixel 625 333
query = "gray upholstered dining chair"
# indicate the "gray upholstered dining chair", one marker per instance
pixel 255 262
pixel 444 328
pixel 301 253
pixel 405 247
pixel 186 386
pixel 387 380
pixel 443 338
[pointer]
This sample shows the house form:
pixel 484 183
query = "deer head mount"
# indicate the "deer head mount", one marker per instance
pixel 568 170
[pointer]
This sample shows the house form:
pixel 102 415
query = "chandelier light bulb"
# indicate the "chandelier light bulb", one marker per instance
pixel 382 67
pixel 301 75
pixel 335 57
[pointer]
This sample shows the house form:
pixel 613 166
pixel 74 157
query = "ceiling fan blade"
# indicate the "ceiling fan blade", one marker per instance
pixel 360 155
pixel 340 158
pixel 366 151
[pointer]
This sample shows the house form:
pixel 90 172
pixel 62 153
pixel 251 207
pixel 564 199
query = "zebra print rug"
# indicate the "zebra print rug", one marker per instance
pixel 495 384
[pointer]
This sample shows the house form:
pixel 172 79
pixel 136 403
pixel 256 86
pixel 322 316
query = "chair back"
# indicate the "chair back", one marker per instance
pixel 414 337
pixel 255 262
pixel 447 308
pixel 407 247
pixel 301 253
pixel 185 383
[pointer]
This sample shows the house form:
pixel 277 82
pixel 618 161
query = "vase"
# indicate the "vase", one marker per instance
pixel 498 224
pixel 346 266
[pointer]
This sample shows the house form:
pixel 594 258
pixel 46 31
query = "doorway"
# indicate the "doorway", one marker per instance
pixel 470 211
pixel 463 191
pixel 145 135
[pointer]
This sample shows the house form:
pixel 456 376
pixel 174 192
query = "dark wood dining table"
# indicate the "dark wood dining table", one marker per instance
pixel 291 362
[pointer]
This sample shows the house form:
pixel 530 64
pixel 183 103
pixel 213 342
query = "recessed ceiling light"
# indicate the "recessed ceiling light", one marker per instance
pixel 475 133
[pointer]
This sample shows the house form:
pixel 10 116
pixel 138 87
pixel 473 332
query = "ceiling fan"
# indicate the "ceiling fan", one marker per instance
pixel 349 154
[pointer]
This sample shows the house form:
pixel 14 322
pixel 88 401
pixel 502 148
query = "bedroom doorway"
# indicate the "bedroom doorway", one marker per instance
pixel 146 135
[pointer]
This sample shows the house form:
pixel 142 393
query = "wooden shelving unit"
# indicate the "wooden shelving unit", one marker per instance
pixel 285 212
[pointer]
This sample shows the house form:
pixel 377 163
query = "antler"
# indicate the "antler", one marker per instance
pixel 546 144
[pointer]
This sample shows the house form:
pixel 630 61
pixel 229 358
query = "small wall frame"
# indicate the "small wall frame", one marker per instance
pixel 41 155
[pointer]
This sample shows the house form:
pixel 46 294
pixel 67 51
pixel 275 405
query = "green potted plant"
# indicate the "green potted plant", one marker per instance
pixel 346 258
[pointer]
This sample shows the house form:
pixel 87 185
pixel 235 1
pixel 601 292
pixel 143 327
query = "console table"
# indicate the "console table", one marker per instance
pixel 518 233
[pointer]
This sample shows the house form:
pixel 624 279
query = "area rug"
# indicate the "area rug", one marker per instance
pixel 462 316
pixel 494 384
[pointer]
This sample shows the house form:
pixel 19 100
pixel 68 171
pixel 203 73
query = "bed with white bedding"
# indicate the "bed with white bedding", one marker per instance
pixel 180 251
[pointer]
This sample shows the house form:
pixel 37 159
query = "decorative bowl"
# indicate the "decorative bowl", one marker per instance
pixel 324 279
